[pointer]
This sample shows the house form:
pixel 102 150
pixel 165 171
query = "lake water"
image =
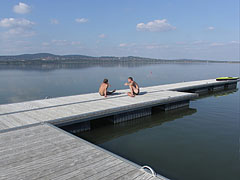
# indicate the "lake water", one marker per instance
pixel 200 142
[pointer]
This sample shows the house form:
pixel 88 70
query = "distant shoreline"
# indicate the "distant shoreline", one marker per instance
pixel 46 58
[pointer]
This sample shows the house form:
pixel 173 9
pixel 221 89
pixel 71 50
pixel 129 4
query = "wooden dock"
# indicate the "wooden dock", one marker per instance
pixel 46 152
pixel 82 108
pixel 32 147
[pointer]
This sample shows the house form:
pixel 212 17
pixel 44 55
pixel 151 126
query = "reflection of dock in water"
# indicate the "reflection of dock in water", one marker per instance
pixel 218 94
pixel 102 134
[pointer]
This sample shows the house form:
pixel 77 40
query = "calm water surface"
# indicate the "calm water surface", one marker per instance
pixel 197 143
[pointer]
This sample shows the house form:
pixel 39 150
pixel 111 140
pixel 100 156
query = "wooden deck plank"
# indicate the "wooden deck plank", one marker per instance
pixel 90 169
pixel 8 123
pixel 20 154
pixel 121 172
pixel 44 152
pixel 104 173
pixel 59 167
pixel 22 133
pixel 131 175
pixel 68 169
pixel 53 163
pixel 144 176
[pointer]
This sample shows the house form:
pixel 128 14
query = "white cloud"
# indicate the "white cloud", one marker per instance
pixel 12 22
pixel 234 42
pixel 81 20
pixel 128 45
pixel 211 28
pixel 62 43
pixel 156 46
pixel 102 36
pixel 123 45
pixel 54 21
pixel 16 33
pixel 59 42
pixel 200 42
pixel 17 27
pixel 21 8
pixel 155 26
pixel 75 43
pixel 19 32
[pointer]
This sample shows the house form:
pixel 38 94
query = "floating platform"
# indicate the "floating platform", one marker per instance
pixel 81 108
pixel 32 146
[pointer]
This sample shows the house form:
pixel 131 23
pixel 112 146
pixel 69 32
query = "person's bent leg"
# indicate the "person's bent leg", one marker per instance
pixel 111 92
pixel 135 90
pixel 131 94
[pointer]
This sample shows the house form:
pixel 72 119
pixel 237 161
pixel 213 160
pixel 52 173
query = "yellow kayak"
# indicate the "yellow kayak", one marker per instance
pixel 227 78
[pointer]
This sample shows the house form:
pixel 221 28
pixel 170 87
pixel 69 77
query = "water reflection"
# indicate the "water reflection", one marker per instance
pixel 30 82
pixel 218 94
pixel 80 65
pixel 99 135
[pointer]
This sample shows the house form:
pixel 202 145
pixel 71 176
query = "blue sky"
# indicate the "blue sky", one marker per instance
pixel 171 29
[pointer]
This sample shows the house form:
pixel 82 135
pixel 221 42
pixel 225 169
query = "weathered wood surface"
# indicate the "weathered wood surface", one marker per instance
pixel 46 152
pixel 85 106
pixel 15 115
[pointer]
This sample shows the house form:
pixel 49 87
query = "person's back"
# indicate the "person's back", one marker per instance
pixel 134 84
pixel 103 88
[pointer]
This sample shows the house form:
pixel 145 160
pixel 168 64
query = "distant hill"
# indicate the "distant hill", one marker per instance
pixel 40 58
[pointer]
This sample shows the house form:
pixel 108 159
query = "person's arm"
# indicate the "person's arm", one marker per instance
pixel 132 94
pixel 126 84
pixel 105 90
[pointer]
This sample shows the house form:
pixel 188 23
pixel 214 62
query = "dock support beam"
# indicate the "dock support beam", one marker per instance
pixel 231 86
pixel 217 88
pixel 118 118
pixel 79 127
pixel 175 105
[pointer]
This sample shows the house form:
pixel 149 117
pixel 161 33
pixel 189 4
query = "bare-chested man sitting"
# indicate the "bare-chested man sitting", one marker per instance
pixel 134 88
pixel 103 88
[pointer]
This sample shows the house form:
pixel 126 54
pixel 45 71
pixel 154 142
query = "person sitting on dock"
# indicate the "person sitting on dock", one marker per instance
pixel 134 88
pixel 103 88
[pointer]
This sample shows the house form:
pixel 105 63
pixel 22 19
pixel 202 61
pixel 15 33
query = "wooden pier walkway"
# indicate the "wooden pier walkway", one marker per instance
pixel 46 152
pixel 81 107
pixel 31 147
pixel 85 107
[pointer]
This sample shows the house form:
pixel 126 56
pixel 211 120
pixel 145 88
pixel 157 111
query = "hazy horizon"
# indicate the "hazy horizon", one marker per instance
pixel 116 56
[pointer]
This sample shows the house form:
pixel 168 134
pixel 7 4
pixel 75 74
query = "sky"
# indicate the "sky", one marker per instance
pixel 165 29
